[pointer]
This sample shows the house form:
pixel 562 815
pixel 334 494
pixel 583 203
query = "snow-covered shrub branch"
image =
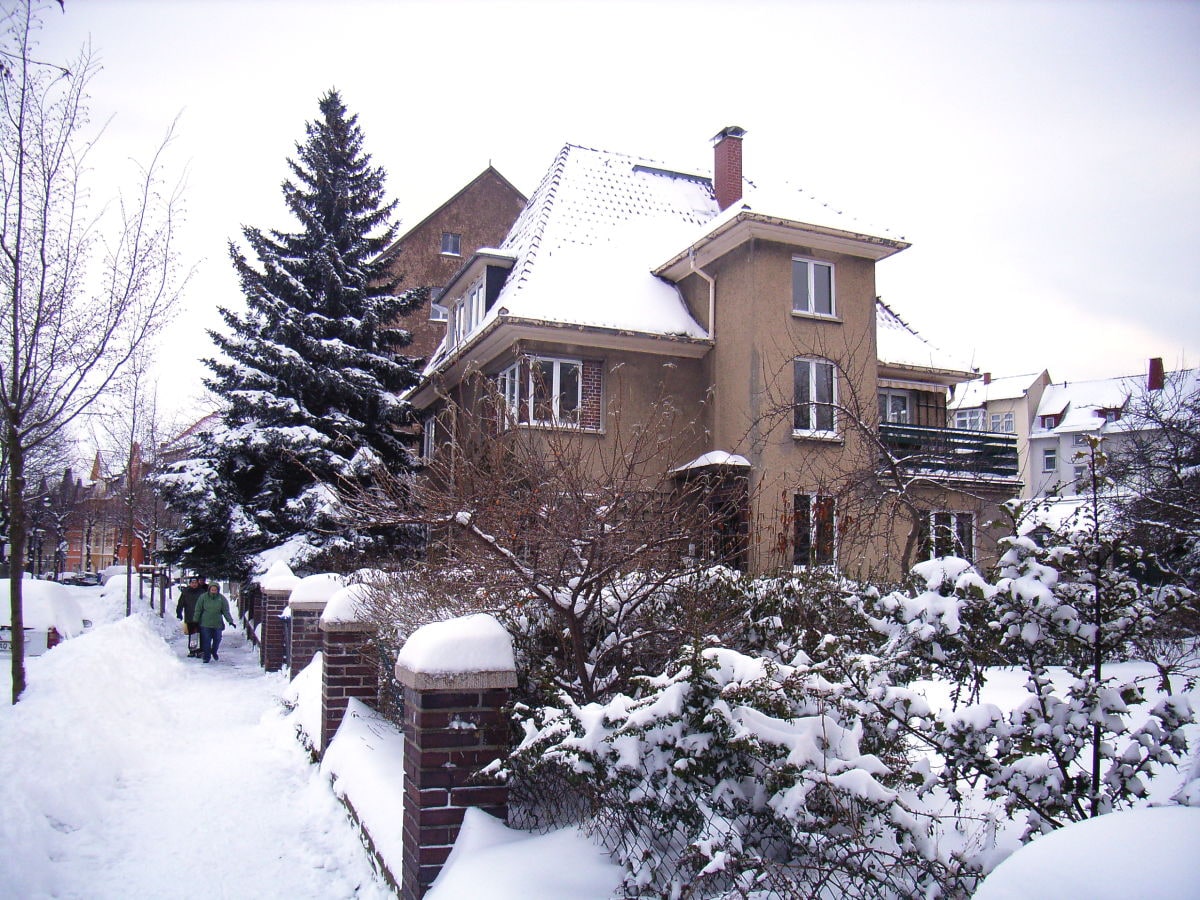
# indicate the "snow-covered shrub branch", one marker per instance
pixel 732 773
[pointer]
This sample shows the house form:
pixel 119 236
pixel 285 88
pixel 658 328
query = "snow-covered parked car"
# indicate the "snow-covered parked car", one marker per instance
pixel 50 615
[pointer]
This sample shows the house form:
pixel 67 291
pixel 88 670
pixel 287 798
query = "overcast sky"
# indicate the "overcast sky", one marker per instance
pixel 1043 158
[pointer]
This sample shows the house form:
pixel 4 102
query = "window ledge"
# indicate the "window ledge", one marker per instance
pixel 829 437
pixel 820 317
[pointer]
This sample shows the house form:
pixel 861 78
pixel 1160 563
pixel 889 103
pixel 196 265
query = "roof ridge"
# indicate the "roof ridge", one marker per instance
pixel 538 207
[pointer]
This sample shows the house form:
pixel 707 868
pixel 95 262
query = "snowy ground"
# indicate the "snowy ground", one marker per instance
pixel 131 771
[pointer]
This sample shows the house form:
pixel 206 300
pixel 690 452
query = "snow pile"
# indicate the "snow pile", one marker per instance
pixel 1150 854
pixel 494 861
pixel 317 588
pixel 475 643
pixel 44 605
pixel 350 604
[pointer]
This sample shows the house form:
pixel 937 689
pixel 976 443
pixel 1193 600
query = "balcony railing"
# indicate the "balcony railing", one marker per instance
pixel 951 452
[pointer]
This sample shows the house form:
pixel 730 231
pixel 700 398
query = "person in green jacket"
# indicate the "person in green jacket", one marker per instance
pixel 212 612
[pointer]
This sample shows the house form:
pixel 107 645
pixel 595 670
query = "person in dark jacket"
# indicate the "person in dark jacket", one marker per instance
pixel 212 612
pixel 185 609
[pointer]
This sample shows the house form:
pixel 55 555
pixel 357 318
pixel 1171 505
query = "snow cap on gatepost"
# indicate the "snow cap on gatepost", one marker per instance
pixel 314 591
pixel 467 653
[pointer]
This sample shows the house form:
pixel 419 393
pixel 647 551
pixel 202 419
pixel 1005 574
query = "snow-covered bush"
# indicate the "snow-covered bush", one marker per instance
pixel 731 774
pixel 1083 742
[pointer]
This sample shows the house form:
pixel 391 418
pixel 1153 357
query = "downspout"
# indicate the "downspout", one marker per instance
pixel 712 293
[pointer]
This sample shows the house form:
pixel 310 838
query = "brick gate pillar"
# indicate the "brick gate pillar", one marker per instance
pixel 348 670
pixel 456 678
pixel 271 647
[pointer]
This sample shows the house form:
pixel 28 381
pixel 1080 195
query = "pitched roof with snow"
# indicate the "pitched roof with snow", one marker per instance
pixel 1081 404
pixel 971 394
pixel 585 248
pixel 900 345
pixel 585 244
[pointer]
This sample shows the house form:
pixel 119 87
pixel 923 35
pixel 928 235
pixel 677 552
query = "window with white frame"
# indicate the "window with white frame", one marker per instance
pixel 429 437
pixel 467 313
pixel 812 287
pixel 815 397
pixel 437 312
pixel 555 391
pixel 451 243
pixel 815 534
pixel 970 419
pixel 947 534
pixel 508 385
pixel 894 406
pixel 1050 459
pixel 1080 439
pixel 1004 422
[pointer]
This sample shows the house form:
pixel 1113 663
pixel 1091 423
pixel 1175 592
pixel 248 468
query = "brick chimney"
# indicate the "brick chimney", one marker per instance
pixel 1155 378
pixel 987 377
pixel 727 165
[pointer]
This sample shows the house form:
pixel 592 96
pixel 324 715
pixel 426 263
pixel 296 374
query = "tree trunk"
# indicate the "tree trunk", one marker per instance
pixel 16 534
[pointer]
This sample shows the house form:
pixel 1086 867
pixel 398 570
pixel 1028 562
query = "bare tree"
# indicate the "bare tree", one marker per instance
pixel 130 426
pixel 588 540
pixel 83 289
pixel 882 487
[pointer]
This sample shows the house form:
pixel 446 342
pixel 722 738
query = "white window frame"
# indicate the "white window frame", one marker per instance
pixel 954 523
pixel 467 313
pixel 971 419
pixel 812 501
pixel 1003 423
pixel 437 312
pixel 429 437
pixel 808 275
pixel 556 365
pixel 508 384
pixel 451 243
pixel 886 396
pixel 813 404
pixel 1049 459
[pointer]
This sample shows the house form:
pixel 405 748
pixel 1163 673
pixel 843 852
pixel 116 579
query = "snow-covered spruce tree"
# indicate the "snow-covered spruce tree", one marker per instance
pixel 311 369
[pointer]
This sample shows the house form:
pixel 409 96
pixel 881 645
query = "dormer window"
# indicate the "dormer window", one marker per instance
pixel 1049 422
pixel 451 244
pixel 812 287
pixel 467 313
pixel 1110 415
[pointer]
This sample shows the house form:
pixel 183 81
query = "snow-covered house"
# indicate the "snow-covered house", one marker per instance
pixel 756 309
pixel 1003 406
pixel 1071 412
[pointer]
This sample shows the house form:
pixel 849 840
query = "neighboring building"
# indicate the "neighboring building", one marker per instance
pixel 1001 406
pixel 1073 411
pixel 96 513
pixel 432 251
pixel 624 280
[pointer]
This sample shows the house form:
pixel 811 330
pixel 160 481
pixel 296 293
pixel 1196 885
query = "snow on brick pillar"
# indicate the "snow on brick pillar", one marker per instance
pixel 727 165
pixel 307 603
pixel 270 648
pixel 456 677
